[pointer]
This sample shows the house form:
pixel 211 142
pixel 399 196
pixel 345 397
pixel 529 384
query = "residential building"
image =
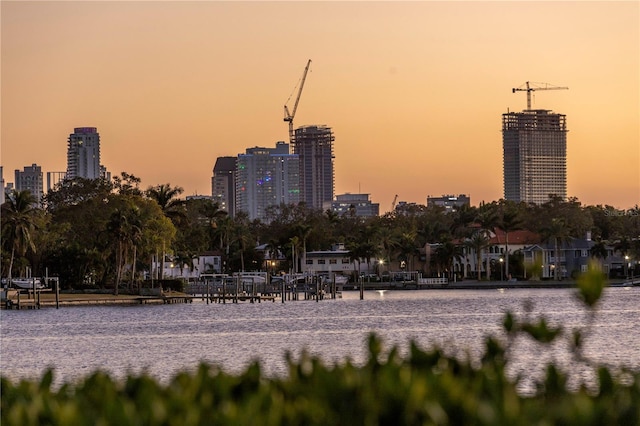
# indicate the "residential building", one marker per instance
pixel 338 261
pixel 314 146
pixel 493 256
pixel 208 262
pixel 266 177
pixel 535 155
pixel 54 178
pixel 1 186
pixel 104 173
pixel 8 187
pixel 449 202
pixel 83 154
pixel 30 179
pixel 223 184
pixel 573 256
pixel 356 204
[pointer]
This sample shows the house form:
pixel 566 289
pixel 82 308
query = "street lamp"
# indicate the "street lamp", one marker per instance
pixel 501 273
pixel 626 264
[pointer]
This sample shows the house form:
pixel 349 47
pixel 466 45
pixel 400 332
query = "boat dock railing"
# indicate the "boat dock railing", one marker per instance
pixel 432 282
pixel 257 287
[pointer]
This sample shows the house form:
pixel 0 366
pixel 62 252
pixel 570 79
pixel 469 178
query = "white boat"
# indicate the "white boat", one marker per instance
pixel 340 279
pixel 27 283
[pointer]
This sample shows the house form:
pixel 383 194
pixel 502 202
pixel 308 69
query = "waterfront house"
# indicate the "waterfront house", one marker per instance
pixel 572 259
pixel 337 260
pixel 494 255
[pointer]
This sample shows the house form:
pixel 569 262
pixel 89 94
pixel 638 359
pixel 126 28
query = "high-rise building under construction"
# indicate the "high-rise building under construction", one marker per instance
pixel 314 146
pixel 535 155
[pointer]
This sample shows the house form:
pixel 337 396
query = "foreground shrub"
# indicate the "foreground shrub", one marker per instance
pixel 422 387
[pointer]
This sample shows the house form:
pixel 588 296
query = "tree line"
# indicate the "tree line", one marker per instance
pixel 101 233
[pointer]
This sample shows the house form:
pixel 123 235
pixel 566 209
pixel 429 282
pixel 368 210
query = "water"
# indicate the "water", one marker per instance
pixel 164 340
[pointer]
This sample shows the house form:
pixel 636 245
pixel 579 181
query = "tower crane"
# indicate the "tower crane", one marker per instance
pixel 538 86
pixel 288 116
pixel 393 204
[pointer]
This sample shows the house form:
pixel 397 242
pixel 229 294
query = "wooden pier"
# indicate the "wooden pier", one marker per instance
pixel 22 299
pixel 234 289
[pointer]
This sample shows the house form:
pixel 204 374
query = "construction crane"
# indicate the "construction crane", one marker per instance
pixel 538 86
pixel 289 116
pixel 393 204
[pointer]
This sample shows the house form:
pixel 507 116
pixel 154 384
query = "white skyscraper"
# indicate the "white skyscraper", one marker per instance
pixel 266 177
pixel 30 179
pixel 83 154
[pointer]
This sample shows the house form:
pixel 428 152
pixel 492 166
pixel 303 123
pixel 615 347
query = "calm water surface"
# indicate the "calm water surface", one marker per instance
pixel 164 340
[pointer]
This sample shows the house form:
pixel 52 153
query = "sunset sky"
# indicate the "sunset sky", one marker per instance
pixel 414 91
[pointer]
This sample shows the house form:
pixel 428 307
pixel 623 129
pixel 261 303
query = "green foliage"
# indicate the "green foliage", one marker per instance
pixel 591 284
pixel 428 387
pixel 422 387
pixel 72 238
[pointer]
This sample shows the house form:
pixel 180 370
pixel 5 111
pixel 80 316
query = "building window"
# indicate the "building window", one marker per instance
pixel 585 253
pixel 321 261
pixel 309 261
pixel 345 260
pixel 583 268
pixel 333 261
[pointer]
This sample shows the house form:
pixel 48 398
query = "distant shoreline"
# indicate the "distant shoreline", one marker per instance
pixel 477 285
pixel 47 298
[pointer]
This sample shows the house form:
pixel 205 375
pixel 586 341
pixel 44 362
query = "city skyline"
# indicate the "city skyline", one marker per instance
pixel 414 92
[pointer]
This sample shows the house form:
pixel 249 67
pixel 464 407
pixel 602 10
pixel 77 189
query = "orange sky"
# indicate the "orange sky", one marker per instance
pixel 413 91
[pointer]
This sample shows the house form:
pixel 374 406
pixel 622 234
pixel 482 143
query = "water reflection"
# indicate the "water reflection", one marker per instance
pixel 166 339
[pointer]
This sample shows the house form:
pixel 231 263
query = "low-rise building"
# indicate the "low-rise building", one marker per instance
pixel 356 204
pixel 449 202
pixel 571 259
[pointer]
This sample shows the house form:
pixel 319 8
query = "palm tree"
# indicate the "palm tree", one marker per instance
pixel 125 226
pixel 18 224
pixel 183 259
pixel 478 242
pixel 488 220
pixel 388 243
pixel 558 232
pixel 509 222
pixel 241 234
pixel 295 244
pixel 224 230
pixel 117 227
pixel 213 213
pixel 166 197
pixel 302 231
pixel 599 250
pixel 462 218
pixel 273 250
pixel 407 247
pixel 362 245
pixel 445 254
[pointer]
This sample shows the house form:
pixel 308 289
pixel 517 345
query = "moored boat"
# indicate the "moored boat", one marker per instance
pixel 27 283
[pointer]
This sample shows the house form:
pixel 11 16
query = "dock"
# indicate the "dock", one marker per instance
pixel 45 298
